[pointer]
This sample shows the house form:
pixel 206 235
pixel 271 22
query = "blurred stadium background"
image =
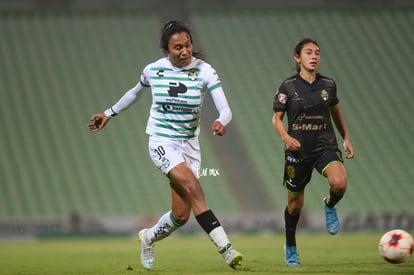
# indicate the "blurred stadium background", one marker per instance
pixel 62 61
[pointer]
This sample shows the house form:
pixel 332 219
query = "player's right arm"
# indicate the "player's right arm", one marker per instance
pixel 291 143
pixel 99 120
pixel 280 107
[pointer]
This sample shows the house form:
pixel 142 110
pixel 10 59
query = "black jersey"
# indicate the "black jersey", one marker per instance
pixel 309 119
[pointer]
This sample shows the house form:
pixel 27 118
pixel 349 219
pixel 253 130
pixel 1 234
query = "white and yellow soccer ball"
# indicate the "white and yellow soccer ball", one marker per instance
pixel 396 246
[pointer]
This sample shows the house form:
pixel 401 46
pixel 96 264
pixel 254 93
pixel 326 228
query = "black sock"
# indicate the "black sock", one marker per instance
pixel 333 199
pixel 290 228
pixel 208 221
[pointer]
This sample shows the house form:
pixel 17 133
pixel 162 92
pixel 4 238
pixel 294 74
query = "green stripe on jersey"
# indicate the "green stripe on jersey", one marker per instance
pixel 177 104
pixel 189 70
pixel 174 78
pixel 173 136
pixel 174 129
pixel 180 96
pixel 168 86
pixel 214 87
pixel 169 69
pixel 160 69
pixel 174 112
pixel 177 120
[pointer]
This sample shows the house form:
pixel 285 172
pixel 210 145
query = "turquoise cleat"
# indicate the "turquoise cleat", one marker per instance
pixel 291 256
pixel 331 219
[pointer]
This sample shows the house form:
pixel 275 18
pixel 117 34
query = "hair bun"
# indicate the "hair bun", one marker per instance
pixel 169 24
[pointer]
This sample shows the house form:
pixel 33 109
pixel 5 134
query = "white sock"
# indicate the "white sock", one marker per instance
pixel 162 229
pixel 219 238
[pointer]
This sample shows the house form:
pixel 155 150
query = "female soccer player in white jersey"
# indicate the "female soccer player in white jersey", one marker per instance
pixel 311 102
pixel 178 83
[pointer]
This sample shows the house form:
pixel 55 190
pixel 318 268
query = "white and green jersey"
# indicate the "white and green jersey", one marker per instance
pixel 177 97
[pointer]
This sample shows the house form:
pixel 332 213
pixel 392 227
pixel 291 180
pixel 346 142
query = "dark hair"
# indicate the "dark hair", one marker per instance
pixel 298 48
pixel 172 27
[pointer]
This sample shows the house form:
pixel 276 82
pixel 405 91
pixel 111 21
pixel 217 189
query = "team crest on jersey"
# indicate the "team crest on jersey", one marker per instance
pixel 282 98
pixel 324 95
pixel 193 74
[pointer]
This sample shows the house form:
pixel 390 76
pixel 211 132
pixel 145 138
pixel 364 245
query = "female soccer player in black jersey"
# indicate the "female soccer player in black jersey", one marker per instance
pixel 310 101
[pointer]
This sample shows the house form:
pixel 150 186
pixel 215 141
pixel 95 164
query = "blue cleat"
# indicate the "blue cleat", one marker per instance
pixel 291 256
pixel 331 219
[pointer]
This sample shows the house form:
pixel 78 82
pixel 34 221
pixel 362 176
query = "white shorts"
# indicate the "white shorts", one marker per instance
pixel 167 153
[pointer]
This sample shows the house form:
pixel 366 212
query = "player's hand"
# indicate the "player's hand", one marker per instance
pixel 98 121
pixel 292 144
pixel 218 129
pixel 348 149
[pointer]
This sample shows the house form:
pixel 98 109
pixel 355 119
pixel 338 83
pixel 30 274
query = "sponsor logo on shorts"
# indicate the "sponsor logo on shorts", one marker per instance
pixel 292 159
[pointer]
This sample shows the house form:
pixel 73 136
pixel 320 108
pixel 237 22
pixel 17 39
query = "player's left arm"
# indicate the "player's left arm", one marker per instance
pixel 225 114
pixel 339 120
pixel 213 84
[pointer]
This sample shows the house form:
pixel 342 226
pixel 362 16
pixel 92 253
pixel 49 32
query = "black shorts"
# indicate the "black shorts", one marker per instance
pixel 298 172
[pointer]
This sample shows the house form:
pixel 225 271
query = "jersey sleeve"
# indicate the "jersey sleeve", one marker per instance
pixel 129 98
pixel 220 101
pixel 331 87
pixel 144 77
pixel 335 99
pixel 213 84
pixel 213 81
pixel 280 100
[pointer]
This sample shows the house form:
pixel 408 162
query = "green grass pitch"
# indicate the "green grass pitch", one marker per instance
pixel 320 253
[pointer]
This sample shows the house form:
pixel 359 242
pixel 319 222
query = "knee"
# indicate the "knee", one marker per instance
pixel 295 204
pixel 295 211
pixel 338 184
pixel 192 188
pixel 181 218
pixel 294 208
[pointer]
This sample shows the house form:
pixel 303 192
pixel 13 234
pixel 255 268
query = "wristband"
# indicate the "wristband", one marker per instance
pixel 110 112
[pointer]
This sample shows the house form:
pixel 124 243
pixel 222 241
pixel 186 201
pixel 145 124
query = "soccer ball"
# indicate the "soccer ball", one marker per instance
pixel 396 246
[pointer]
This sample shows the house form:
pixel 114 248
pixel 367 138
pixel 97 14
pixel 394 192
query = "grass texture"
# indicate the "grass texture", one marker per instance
pixel 320 253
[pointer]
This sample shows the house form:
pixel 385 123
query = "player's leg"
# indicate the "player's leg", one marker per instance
pixel 167 224
pixel 162 229
pixel 298 173
pixel 330 164
pixel 188 190
pixel 336 175
pixel 165 156
pixel 186 184
pixel 172 220
pixel 292 215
